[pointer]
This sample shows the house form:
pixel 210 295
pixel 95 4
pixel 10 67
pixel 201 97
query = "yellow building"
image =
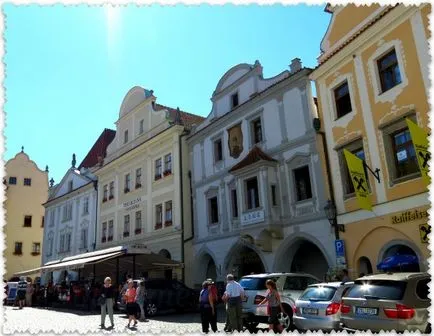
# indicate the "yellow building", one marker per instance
pixel 26 191
pixel 372 74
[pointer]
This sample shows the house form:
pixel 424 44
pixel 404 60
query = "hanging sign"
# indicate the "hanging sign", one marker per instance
pixel 420 142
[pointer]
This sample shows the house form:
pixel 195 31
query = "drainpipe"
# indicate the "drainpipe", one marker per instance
pixel 184 133
pixel 95 185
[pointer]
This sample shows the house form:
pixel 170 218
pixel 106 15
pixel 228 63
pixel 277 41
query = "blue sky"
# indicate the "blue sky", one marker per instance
pixel 68 68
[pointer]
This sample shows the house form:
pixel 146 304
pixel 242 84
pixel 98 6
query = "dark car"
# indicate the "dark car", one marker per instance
pixel 166 295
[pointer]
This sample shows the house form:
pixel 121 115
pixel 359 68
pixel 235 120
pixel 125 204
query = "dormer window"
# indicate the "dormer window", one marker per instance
pixel 125 136
pixel 234 100
pixel 70 186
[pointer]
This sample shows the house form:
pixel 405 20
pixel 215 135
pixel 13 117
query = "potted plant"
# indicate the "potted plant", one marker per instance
pixel 168 223
pixel 158 226
pixel 126 234
pixel 138 231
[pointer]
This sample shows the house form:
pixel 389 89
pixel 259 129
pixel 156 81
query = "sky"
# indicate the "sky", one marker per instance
pixel 68 68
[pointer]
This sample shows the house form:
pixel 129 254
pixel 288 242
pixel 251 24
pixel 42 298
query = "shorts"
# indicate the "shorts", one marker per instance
pixel 21 295
pixel 274 311
pixel 132 308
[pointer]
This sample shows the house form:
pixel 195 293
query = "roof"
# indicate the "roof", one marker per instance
pixel 98 149
pixel 255 155
pixel 399 276
pixel 187 119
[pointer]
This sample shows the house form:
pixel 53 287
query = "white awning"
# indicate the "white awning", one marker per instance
pixel 28 272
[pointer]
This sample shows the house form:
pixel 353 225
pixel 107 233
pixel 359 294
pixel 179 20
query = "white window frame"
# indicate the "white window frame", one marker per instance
pixel 250 119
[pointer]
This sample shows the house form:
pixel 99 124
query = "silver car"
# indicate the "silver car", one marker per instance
pixel 318 308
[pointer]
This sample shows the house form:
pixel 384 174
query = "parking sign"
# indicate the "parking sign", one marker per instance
pixel 340 248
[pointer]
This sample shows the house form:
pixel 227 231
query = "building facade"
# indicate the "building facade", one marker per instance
pixel 372 74
pixel 258 189
pixel 26 191
pixel 143 189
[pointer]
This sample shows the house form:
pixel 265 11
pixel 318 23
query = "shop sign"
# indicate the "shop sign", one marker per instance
pixel 424 231
pixel 409 216
pixel 133 204
pixel 252 217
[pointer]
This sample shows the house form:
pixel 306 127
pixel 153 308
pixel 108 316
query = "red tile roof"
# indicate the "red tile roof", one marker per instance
pixel 98 149
pixel 188 119
pixel 255 155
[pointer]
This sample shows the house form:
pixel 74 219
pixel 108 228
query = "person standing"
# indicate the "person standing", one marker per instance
pixel 130 299
pixel 274 306
pixel 107 302
pixel 21 291
pixel 207 308
pixel 29 294
pixel 214 300
pixel 141 299
pixel 345 276
pixel 235 295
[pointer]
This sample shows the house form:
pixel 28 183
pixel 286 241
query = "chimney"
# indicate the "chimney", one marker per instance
pixel 295 65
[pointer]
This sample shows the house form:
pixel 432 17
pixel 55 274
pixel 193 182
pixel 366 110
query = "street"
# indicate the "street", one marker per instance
pixel 40 320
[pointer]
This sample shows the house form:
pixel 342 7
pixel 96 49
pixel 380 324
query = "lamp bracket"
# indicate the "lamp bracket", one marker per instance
pixel 375 173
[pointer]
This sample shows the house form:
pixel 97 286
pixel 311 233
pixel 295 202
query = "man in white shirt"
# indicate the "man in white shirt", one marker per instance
pixel 235 296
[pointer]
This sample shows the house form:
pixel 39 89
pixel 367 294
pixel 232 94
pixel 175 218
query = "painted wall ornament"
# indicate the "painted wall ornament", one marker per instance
pixel 235 141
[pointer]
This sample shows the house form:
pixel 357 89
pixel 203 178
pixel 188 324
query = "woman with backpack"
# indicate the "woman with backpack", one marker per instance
pixel 130 299
pixel 207 308
pixel 141 299
pixel 274 306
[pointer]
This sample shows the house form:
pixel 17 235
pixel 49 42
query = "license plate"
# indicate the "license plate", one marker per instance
pixel 366 311
pixel 310 311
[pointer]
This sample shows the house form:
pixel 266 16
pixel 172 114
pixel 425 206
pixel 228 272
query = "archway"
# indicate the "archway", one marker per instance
pixel 168 274
pixel 245 261
pixel 400 249
pixel 308 258
pixel 364 266
pixel 205 267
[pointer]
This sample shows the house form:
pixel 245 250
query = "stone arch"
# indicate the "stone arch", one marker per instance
pixel 386 251
pixel 165 253
pixel 364 266
pixel 264 240
pixel 205 261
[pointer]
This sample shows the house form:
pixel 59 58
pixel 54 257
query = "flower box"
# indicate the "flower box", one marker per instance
pixel 103 239
pixel 35 253
pixel 18 253
pixel 126 234
pixel 167 172
pixel 104 199
pixel 126 190
pixel 138 185
pixel 168 223
pixel 137 231
pixel 111 197
pixel 158 226
pixel 109 238
pixel 157 177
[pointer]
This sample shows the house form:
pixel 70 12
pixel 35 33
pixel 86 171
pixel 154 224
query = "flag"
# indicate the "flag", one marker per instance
pixel 420 143
pixel 359 180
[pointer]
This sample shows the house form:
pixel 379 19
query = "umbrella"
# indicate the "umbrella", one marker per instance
pixel 398 261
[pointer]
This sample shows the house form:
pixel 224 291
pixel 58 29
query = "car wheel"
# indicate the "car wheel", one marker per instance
pixel 428 329
pixel 250 325
pixel 151 309
pixel 286 319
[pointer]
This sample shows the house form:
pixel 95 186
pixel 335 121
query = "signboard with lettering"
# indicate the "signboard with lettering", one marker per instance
pixel 133 204
pixel 409 216
pixel 252 217
pixel 424 231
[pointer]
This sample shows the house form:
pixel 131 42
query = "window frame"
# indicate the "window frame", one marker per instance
pixel 158 169
pixel 168 222
pixel 210 210
pixel 138 178
pixel 127 226
pixel 12 180
pixel 105 192
pixel 158 216
pixel 36 248
pixel 218 150
pixel 127 183
pixel 273 190
pixel 250 204
pixel 167 164
pixel 388 68
pixel 110 229
pixel 253 122
pixel 125 137
pixel 297 197
pixel 111 189
pixel 27 182
pixel 20 250
pixel 104 232
pixel 86 205
pixel 235 102
pixel 235 211
pixel 339 113
pixel 27 221
pixel 141 126
pixel 138 222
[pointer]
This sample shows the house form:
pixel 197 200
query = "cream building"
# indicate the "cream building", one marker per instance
pixel 143 188
pixel 26 191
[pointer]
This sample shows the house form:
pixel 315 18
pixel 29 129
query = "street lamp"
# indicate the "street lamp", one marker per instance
pixel 332 214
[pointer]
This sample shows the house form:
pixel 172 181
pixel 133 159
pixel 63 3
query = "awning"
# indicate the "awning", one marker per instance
pixel 28 272
pixel 79 263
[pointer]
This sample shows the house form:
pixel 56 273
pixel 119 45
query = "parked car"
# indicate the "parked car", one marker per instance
pixel 165 295
pixel 318 308
pixel 392 301
pixel 290 287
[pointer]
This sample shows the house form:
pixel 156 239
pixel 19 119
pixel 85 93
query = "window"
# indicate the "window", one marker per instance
pixel 252 193
pixel 127 183
pixel 256 126
pixel 388 70
pixel 234 202
pixel 357 150
pixel 273 195
pixel 18 248
pixel 158 169
pixel 43 221
pixel 404 154
pixel 70 185
pixel 141 126
pixel 218 150
pixel 213 210
pixel 27 221
pixel 138 177
pixel 12 180
pixel 68 242
pixel 110 230
pixel 126 225
pixel 28 182
pixel 342 100
pixel 52 213
pixel 50 245
pixel 104 232
pixel 158 216
pixel 168 164
pixel 105 193
pixel 112 190
pixel 36 248
pixel 302 183
pixel 125 136
pixel 138 222
pixel 67 212
pixel 85 205
pixel 168 214
pixel 234 100
pixel 83 238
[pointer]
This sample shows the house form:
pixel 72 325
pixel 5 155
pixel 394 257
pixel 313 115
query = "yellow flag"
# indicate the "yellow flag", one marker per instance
pixel 359 180
pixel 420 143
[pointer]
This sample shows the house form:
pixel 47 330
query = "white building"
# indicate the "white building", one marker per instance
pixel 258 189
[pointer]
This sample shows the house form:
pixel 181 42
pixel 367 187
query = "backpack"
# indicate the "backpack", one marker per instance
pixel 214 294
pixel 204 296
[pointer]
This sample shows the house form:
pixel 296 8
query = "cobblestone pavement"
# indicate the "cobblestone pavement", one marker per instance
pixel 40 320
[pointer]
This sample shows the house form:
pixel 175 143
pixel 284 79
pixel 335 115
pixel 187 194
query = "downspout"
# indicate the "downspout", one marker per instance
pixel 184 133
pixel 95 185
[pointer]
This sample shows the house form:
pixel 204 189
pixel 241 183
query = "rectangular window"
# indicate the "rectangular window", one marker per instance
pixel 104 232
pixel 168 164
pixel 234 201
pixel 218 150
pixel 234 100
pixel 68 242
pixel 125 136
pixel 12 180
pixel 50 246
pixel 36 248
pixel 126 225
pixel 110 230
pixel 62 243
pixel 273 195
pixel 28 182
pixel 256 126
pixel 43 221
pixel 302 183
pixel 158 169
pixel 388 70
pixel 138 177
pixel 85 205
pixel 70 185
pixel 138 228
pixel 158 216
pixel 27 221
pixel 18 248
pixel 213 210
pixel 127 183
pixel 404 153
pixel 83 238
pixel 52 214
pixel 105 193
pixel 342 100
pixel 252 193
pixel 68 211
pixel 112 190
pixel 141 126
pixel 168 215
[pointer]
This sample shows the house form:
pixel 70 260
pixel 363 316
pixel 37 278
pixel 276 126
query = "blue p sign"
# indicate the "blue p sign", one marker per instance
pixel 340 248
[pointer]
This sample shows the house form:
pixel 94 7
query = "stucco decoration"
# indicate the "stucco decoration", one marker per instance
pixel 132 99
pixel 235 141
pixel 232 75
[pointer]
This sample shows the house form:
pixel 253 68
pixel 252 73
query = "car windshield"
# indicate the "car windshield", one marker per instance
pixel 253 283
pixel 318 293
pixel 377 289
